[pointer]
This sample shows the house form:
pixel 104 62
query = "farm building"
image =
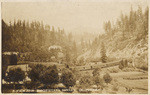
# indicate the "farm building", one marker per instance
pixel 55 47
pixel 56 52
pixel 9 58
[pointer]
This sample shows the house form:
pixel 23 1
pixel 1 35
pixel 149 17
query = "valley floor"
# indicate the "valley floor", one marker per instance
pixel 128 80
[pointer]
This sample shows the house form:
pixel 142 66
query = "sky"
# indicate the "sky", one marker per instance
pixel 73 16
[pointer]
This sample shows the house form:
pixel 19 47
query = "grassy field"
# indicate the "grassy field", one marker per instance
pixel 136 80
pixel 133 78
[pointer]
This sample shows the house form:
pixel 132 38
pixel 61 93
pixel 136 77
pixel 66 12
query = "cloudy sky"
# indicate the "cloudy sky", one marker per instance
pixel 73 16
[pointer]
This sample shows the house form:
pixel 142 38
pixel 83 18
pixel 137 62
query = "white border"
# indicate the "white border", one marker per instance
pixel 75 1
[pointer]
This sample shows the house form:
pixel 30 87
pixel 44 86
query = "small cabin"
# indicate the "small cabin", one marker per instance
pixel 9 58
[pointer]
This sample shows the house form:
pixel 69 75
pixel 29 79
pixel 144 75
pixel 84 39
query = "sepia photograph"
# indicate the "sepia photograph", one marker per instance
pixel 74 47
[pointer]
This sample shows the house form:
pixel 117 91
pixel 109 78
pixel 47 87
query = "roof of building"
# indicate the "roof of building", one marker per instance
pixel 9 53
pixel 23 67
pixel 55 47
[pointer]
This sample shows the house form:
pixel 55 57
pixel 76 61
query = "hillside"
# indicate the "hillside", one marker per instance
pixel 123 41
pixel 130 49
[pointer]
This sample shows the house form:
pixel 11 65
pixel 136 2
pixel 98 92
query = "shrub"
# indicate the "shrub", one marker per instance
pixel 107 78
pixel 98 81
pixel 4 68
pixel 49 76
pixel 5 63
pixel 8 60
pixel 67 78
pixel 81 61
pixel 96 72
pixel 115 88
pixel 85 81
pixel 42 74
pixel 76 73
pixel 34 73
pixel 113 70
pixel 123 64
pixel 145 68
pixel 15 75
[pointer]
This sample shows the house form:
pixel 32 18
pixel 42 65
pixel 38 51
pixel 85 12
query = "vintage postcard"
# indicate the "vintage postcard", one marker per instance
pixel 74 47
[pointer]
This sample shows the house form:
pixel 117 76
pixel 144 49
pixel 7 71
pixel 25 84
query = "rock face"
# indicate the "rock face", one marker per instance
pixel 135 51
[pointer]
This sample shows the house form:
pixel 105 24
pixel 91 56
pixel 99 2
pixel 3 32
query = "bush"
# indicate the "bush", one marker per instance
pixel 98 81
pixel 5 63
pixel 49 76
pixel 42 74
pixel 76 73
pixel 113 70
pixel 15 75
pixel 107 78
pixel 82 61
pixel 34 73
pixel 7 88
pixel 86 81
pixel 8 60
pixel 145 68
pixel 67 78
pixel 96 72
pixel 115 88
pixel 123 64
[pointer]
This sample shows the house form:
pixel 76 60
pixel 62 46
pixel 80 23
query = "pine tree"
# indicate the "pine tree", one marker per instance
pixel 140 24
pixel 53 37
pixel 68 58
pixel 131 21
pixel 75 49
pixel 122 25
pixel 82 43
pixel 146 21
pixel 70 37
pixel 107 27
pixel 103 53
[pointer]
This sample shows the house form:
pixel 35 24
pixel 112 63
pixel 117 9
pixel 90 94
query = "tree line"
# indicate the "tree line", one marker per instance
pixel 24 36
pixel 133 25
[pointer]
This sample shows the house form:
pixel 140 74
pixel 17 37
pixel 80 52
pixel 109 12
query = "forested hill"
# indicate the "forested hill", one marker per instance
pixel 36 38
pixel 22 36
pixel 127 38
